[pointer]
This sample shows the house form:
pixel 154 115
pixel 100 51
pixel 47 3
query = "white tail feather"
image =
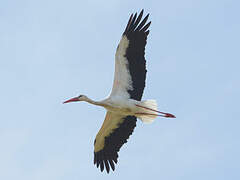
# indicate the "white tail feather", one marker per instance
pixel 148 116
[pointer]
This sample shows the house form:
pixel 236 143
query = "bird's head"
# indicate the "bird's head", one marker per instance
pixel 78 98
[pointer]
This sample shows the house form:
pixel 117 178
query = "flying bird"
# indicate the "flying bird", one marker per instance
pixel 124 104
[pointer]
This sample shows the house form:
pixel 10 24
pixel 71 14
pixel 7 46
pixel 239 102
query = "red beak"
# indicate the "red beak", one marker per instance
pixel 71 100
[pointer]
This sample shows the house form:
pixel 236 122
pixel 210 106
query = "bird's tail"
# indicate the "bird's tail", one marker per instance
pixel 148 111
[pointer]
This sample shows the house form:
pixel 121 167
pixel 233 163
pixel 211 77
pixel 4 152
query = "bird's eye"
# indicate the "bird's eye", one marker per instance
pixel 80 96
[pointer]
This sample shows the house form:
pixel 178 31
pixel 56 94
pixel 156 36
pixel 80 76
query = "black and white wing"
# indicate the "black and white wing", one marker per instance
pixel 130 63
pixel 114 132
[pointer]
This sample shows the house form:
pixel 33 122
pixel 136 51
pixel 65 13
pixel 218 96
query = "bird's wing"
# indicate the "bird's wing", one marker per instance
pixel 130 63
pixel 114 132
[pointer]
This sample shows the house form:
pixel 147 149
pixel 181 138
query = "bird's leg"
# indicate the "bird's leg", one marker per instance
pixel 168 115
pixel 149 114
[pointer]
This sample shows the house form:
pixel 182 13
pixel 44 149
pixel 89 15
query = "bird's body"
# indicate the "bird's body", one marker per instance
pixel 126 107
pixel 124 104
pixel 120 106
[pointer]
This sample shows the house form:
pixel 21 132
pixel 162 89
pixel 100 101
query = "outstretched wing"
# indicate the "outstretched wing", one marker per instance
pixel 114 132
pixel 130 63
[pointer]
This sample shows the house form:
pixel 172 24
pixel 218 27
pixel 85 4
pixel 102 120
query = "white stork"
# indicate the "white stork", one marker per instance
pixel 124 104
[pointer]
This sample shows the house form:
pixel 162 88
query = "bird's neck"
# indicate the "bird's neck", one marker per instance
pixel 97 103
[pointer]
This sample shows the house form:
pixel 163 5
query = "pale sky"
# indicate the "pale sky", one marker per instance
pixel 54 50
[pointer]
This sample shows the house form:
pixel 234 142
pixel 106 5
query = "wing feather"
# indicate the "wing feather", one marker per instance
pixel 130 63
pixel 114 132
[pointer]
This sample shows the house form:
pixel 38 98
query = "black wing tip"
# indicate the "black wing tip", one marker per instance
pixel 103 161
pixel 135 24
pixel 145 28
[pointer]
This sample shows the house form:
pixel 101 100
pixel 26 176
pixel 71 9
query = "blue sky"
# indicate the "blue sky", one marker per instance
pixel 53 50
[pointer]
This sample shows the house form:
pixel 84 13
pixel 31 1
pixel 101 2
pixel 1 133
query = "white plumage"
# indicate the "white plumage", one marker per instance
pixel 151 104
pixel 122 78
